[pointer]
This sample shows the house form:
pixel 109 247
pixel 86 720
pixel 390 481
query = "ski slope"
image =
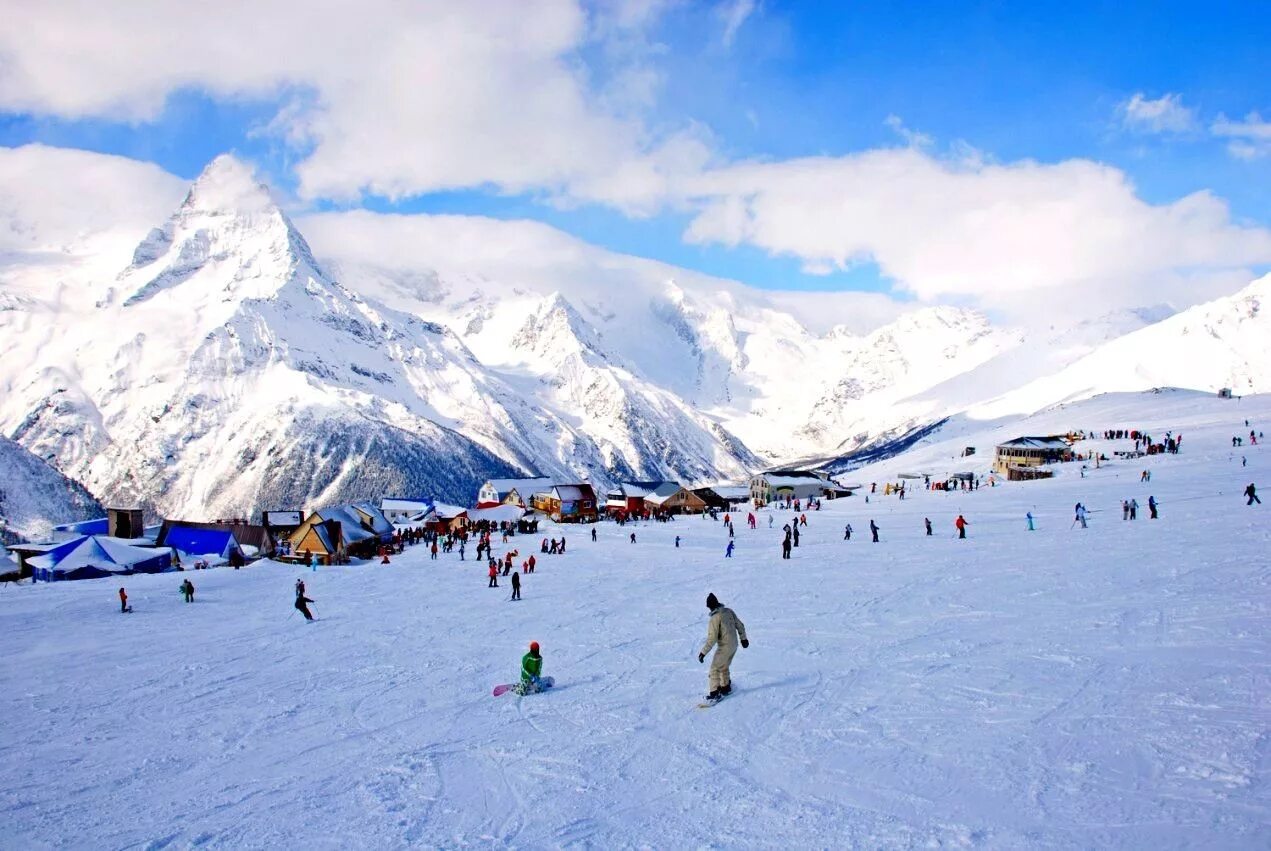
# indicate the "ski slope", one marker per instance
pixel 1105 688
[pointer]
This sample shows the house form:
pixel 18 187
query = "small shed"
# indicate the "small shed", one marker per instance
pixel 1224 393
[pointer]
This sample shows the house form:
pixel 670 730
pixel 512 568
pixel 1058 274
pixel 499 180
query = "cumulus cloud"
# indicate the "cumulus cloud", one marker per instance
pixel 1248 139
pixel 967 229
pixel 1165 114
pixel 61 200
pixel 389 97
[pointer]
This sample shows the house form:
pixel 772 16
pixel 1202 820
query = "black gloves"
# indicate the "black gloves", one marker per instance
pixel 701 657
pixel 745 643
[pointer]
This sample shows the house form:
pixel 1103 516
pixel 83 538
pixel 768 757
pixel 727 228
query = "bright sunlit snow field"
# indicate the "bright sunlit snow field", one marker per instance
pixel 1058 688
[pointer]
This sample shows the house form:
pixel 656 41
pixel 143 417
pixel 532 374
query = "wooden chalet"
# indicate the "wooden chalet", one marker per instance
pixel 346 531
pixel 568 503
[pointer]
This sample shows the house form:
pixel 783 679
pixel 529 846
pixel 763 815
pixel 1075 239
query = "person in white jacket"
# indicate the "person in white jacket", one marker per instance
pixel 723 632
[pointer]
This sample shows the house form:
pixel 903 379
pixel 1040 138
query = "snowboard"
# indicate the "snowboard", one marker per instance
pixel 544 683
pixel 708 703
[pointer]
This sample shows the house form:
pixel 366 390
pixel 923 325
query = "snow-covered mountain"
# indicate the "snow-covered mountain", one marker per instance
pixel 34 496
pixel 222 366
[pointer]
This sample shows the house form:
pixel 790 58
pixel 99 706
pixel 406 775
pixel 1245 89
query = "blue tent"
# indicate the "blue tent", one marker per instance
pixel 97 556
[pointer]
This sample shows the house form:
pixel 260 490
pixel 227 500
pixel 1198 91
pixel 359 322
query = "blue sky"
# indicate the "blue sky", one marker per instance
pixel 1013 81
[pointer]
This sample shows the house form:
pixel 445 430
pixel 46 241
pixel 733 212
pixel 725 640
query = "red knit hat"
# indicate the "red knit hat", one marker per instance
pixel 533 646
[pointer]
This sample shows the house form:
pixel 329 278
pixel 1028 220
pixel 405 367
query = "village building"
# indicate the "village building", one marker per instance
pixel 574 503
pixel 281 524
pixel 235 542
pixel 512 491
pixel 446 518
pixel 400 510
pixel 1024 452
pixel 788 484
pixel 671 498
pixel 724 497
pixel 332 535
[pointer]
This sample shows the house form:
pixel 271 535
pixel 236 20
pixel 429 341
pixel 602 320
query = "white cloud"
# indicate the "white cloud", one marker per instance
pixel 995 233
pixel 734 13
pixel 1165 114
pixel 392 98
pixel 1249 139
pixel 60 200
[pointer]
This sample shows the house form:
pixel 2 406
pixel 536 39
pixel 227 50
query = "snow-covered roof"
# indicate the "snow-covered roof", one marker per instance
pixel 570 493
pixel 1035 443
pixel 524 487
pixel 351 518
pixel 663 492
pixel 791 479
pixel 284 518
pixel 449 512
pixel 395 503
pixel 100 551
pixel 732 491
pixel 497 513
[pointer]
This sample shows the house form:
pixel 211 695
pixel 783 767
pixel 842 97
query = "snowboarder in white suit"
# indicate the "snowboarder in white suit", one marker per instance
pixel 724 630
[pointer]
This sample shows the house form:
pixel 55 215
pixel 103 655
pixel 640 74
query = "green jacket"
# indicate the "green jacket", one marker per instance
pixel 531 666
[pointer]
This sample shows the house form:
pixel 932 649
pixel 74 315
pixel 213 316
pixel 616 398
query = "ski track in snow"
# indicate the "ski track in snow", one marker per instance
pixel 1055 689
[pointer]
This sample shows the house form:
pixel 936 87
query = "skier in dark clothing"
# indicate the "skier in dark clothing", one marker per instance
pixel 1250 492
pixel 516 586
pixel 785 548
pixel 927 522
pixel 796 535
pixel 187 591
pixel 593 533
pixel 873 530
pixel 633 537
pixel 302 606
pixel 847 532
pixel 1151 507
pixel 300 587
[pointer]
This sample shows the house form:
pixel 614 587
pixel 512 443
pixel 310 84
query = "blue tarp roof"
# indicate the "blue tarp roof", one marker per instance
pixel 201 542
pixel 90 557
pixel 99 526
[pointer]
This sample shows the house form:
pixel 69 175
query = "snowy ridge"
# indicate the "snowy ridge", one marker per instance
pixel 34 497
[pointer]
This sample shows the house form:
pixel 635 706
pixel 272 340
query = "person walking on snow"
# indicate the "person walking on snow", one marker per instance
pixel 847 532
pixel 1029 518
pixel 769 521
pixel 873 530
pixel 677 542
pixel 1134 509
pixel 531 670
pixel 961 524
pixel 187 591
pixel 1125 509
pixel 926 521
pixel 593 534
pixel 516 585
pixel 123 596
pixel 1250 492
pixel 723 631
pixel 302 606
pixel 728 553
pixel 795 533
pixel 300 587
pixel 494 574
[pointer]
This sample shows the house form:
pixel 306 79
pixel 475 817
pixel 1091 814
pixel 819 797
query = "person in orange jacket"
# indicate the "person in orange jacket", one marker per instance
pixel 123 600
pixel 494 574
pixel 961 524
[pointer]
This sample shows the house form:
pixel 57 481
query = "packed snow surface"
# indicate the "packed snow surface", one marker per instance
pixel 1097 688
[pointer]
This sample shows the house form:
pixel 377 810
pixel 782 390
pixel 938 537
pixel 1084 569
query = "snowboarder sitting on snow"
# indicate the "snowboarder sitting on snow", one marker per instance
pixel 531 670
pixel 724 629
pixel 302 606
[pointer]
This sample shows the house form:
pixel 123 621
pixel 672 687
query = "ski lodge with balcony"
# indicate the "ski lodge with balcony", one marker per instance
pixel 346 531
pixel 1019 459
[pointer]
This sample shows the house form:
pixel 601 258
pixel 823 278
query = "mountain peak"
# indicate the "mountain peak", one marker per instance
pixel 228 185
